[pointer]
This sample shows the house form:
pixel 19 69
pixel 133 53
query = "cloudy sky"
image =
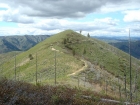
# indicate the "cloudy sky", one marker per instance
pixel 96 17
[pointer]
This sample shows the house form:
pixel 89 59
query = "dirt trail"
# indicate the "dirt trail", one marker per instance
pixel 53 49
pixel 82 82
pixel 78 71
pixel 24 62
pixel 99 73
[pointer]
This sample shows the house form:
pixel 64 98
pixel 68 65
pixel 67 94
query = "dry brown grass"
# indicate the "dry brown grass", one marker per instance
pixel 21 93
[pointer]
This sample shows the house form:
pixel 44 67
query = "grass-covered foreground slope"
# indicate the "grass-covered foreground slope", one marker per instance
pixel 71 54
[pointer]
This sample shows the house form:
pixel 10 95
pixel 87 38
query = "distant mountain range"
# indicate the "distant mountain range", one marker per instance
pixel 122 44
pixel 19 43
pixel 115 38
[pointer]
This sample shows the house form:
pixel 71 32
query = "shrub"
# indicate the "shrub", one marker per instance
pixel 31 57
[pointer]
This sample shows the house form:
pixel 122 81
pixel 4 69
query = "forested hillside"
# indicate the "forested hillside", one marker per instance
pixel 19 43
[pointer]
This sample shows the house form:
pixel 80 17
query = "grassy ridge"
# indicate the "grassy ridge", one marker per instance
pixel 26 68
pixel 95 51
pixel 70 48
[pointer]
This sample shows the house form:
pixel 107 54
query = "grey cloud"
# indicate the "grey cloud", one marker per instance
pixel 59 8
pixel 136 30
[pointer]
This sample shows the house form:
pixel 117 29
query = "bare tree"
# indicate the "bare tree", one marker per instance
pixel 88 35
pixel 84 51
pixel 85 80
pixel 80 31
pixel 36 69
pixel 123 68
pixel 73 52
pixel 55 65
pixel 130 67
pixel 125 82
pixel 136 85
pixel 78 81
pixel 15 67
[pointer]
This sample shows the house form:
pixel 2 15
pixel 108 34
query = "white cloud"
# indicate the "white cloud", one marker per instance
pixel 132 16
pixel 51 16
pixel 52 26
pixel 14 16
pixel 3 5
pixel 121 5
pixel 15 31
pixel 107 20
pixel 134 29
pixel 62 24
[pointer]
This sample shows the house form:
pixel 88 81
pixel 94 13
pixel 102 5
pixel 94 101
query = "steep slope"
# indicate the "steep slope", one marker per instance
pixel 19 43
pixel 71 58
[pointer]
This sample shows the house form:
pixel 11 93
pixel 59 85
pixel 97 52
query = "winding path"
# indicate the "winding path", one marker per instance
pixel 80 70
